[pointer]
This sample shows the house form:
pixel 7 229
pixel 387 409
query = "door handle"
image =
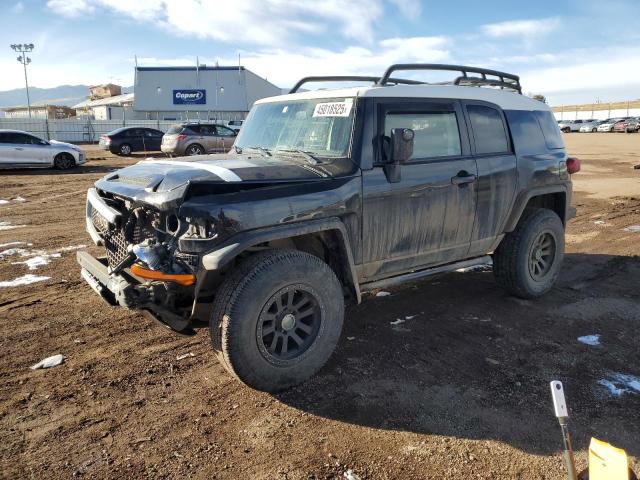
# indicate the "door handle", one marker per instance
pixel 18 148
pixel 463 178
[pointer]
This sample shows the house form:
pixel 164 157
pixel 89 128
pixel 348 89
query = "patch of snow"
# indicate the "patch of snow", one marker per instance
pixel 632 228
pixel 620 383
pixel 71 248
pixel 48 362
pixel 8 226
pixel 19 199
pixel 350 475
pixel 10 244
pixel 3 202
pixel 23 280
pixel 186 355
pixel 397 322
pixel 409 317
pixel 600 222
pixel 592 340
pixel 382 293
pixel 38 261
pixel 351 338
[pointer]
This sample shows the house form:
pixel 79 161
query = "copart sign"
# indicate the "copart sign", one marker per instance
pixel 189 97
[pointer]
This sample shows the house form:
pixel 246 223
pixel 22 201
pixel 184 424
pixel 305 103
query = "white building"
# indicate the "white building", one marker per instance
pixel 117 107
pixel 198 92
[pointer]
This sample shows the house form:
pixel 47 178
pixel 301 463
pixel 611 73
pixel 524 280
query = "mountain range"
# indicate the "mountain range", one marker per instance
pixel 68 95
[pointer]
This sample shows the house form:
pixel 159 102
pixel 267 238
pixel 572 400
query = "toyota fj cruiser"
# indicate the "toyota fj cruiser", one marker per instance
pixel 327 194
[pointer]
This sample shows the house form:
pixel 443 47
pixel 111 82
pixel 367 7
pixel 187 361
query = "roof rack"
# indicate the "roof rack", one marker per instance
pixel 502 80
pixel 352 78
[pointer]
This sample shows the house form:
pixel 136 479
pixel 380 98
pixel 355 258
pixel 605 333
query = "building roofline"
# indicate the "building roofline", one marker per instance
pixel 38 105
pixel 186 68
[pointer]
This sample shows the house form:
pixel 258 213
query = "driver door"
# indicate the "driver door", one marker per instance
pixel 427 217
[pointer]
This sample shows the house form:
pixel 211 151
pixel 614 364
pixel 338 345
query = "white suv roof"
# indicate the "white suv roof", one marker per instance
pixel 505 99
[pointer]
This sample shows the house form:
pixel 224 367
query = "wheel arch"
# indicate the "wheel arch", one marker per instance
pixel 554 198
pixel 326 239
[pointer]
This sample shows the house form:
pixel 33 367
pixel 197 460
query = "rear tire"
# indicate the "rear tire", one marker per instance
pixel 194 149
pixel 64 161
pixel 277 319
pixel 527 261
pixel 125 149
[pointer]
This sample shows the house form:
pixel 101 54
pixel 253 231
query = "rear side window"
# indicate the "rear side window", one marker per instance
pixel 436 133
pixel 550 129
pixel 488 129
pixel 174 129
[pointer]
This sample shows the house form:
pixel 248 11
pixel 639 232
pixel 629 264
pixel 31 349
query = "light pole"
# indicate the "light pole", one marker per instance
pixel 23 49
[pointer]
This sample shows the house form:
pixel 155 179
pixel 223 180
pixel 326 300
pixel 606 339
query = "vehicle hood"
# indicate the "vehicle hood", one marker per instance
pixel 56 143
pixel 164 181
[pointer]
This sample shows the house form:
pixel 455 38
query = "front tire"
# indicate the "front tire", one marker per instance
pixel 64 161
pixel 527 261
pixel 277 319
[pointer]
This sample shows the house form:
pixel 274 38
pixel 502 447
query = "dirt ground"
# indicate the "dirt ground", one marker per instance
pixel 459 391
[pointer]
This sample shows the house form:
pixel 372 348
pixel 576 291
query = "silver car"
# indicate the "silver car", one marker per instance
pixel 607 126
pixel 20 149
pixel 591 127
pixel 197 139
pixel 573 125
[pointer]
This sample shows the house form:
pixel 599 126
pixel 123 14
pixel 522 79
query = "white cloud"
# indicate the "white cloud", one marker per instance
pixel 583 70
pixel 263 22
pixel 521 28
pixel 71 8
pixel 18 8
pixel 276 65
pixel 409 8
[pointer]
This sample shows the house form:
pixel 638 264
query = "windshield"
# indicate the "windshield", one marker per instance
pixel 321 127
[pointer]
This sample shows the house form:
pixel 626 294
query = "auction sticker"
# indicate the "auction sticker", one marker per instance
pixel 334 109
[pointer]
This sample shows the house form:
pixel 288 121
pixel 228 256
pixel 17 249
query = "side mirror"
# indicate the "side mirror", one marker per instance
pixel 400 150
pixel 401 144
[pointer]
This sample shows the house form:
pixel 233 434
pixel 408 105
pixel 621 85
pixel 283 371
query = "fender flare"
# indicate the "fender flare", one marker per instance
pixel 227 251
pixel 521 204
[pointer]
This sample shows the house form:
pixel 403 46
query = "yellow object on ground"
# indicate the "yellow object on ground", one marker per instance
pixel 607 462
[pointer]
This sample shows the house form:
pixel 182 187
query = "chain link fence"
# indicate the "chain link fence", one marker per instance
pixel 82 129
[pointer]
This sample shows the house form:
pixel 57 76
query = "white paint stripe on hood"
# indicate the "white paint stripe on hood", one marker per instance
pixel 224 173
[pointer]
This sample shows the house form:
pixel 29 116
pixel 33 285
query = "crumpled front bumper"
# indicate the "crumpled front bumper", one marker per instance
pixel 114 289
pixel 123 289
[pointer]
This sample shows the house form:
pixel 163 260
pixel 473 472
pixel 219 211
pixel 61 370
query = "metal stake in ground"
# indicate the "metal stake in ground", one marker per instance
pixel 562 414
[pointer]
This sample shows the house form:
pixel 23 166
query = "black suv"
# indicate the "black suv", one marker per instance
pixel 327 194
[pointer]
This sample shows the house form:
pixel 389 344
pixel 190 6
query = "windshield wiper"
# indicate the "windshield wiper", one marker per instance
pixel 266 151
pixel 312 159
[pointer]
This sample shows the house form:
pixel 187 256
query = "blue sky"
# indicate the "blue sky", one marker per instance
pixel 568 50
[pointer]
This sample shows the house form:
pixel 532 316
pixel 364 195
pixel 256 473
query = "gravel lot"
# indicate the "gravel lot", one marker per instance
pixel 459 390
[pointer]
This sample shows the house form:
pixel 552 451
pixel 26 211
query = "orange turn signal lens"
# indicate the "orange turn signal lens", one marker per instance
pixel 185 279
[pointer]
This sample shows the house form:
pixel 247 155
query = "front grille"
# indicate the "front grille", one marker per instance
pixel 114 240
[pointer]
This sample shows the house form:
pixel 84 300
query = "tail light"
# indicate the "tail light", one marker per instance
pixel 181 137
pixel 107 138
pixel 573 165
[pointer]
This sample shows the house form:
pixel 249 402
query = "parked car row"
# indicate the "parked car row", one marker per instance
pixel 619 124
pixel 181 139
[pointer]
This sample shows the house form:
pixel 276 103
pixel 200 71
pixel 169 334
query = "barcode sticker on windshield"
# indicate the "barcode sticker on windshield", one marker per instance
pixel 334 109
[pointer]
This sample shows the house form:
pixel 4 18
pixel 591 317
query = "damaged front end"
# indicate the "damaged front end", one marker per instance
pixel 143 268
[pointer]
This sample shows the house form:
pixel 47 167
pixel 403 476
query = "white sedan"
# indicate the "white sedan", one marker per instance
pixel 21 150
